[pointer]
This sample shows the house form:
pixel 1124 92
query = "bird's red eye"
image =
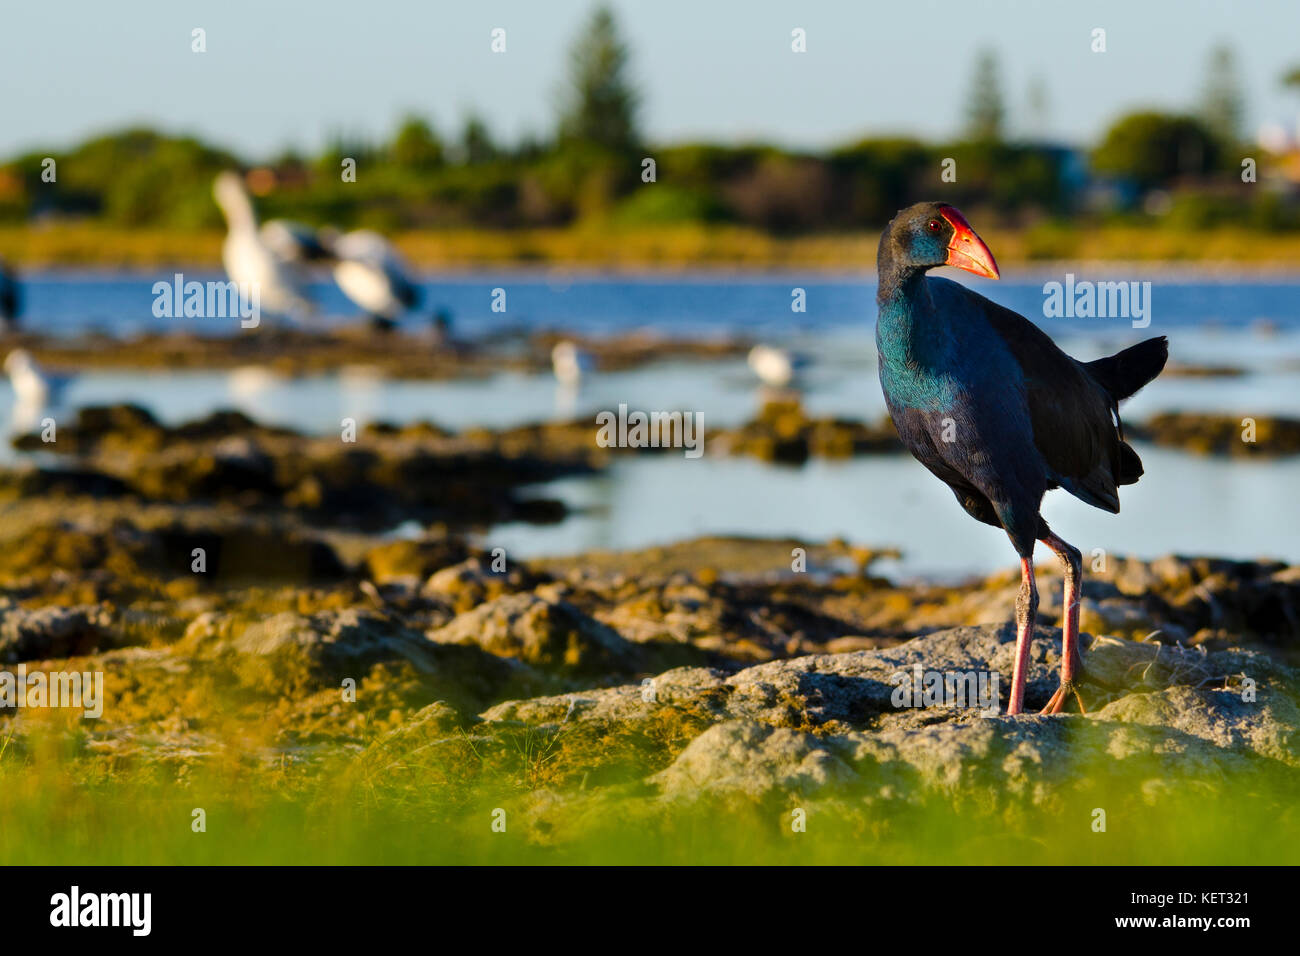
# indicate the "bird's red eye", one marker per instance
pixel 934 225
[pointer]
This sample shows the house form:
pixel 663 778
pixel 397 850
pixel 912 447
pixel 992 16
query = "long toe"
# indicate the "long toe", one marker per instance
pixel 1056 703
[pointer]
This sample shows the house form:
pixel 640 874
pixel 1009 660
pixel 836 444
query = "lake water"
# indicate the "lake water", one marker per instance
pixel 1186 504
pixel 679 303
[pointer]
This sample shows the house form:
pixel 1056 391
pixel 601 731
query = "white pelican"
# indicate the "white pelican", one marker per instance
pixel 372 274
pixel 249 260
pixel 775 367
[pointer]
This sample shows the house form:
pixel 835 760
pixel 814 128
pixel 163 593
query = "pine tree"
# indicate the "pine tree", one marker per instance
pixel 1222 103
pixel 600 104
pixel 985 108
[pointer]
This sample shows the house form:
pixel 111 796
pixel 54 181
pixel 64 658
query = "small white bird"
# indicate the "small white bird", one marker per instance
pixel 31 382
pixel 373 275
pixel 251 382
pixel 249 260
pixel 35 390
pixel 776 367
pixel 570 363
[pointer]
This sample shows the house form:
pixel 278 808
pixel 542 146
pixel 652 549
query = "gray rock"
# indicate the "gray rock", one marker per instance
pixel 344 639
pixel 629 703
pixel 742 756
pixel 331 645
pixel 828 722
pixel 1269 726
pixel 553 636
pixel 52 632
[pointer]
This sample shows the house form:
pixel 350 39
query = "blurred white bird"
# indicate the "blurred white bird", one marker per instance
pixel 249 260
pixel 10 297
pixel 251 382
pixel 293 242
pixel 373 275
pixel 35 390
pixel 776 367
pixel 570 363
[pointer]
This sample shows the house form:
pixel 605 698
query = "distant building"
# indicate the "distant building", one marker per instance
pixel 1282 167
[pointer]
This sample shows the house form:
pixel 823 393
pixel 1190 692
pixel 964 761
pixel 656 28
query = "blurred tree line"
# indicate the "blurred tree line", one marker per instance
pixel 591 169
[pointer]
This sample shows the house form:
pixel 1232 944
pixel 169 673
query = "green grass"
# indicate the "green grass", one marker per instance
pixel 666 245
pixel 59 806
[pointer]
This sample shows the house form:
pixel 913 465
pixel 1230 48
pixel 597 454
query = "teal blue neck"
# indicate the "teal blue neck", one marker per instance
pixel 907 332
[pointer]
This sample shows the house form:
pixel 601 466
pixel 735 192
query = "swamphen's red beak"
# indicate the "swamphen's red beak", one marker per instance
pixel 967 250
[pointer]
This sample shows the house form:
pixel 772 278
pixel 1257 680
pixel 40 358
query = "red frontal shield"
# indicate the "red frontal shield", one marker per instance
pixel 967 250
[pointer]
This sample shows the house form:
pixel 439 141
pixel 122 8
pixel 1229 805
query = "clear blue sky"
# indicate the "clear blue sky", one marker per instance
pixel 289 73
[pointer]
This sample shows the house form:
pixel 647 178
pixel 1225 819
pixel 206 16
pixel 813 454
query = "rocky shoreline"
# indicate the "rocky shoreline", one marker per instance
pixel 708 668
pixel 241 592
pixel 418 353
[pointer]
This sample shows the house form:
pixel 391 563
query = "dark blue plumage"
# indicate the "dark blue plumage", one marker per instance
pixel 988 403
pixel 10 298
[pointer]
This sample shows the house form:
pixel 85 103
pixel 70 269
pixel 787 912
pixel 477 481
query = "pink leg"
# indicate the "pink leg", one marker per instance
pixel 1071 659
pixel 1026 608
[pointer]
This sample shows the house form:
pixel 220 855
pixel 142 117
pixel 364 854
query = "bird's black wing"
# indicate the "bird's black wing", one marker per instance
pixel 1075 425
pixel 10 304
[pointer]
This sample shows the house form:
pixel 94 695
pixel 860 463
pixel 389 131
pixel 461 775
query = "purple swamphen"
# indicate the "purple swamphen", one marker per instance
pixel 987 402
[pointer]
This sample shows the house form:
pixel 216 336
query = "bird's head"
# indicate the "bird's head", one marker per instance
pixel 18 361
pixel 933 234
pixel 564 353
pixel 227 186
pixel 228 189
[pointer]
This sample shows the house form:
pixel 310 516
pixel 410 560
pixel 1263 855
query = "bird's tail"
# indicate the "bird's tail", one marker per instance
pixel 1130 465
pixel 1124 373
